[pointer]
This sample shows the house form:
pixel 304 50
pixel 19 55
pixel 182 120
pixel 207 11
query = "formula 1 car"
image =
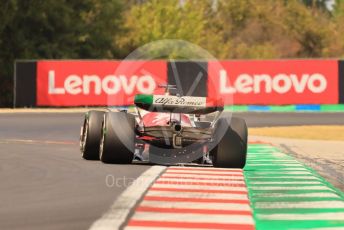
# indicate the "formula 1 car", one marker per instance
pixel 165 129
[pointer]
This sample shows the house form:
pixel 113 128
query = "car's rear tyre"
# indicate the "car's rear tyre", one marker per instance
pixel 231 149
pixel 91 134
pixel 117 144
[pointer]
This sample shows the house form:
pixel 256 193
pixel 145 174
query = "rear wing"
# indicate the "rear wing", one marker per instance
pixel 175 104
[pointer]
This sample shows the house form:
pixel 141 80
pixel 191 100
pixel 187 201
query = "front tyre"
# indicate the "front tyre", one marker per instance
pixel 117 143
pixel 231 149
pixel 91 134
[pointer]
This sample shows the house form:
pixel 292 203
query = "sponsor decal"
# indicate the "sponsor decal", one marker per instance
pixel 110 84
pixel 274 82
pixel 72 83
pixel 179 101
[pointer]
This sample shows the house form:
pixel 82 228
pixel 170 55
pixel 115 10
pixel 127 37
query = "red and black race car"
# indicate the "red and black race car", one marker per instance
pixel 166 129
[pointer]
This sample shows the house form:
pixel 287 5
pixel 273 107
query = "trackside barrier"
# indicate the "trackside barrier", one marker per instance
pixel 341 81
pixel 24 94
pixel 308 84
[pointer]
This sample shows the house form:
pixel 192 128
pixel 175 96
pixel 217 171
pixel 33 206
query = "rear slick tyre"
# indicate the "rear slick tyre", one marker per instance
pixel 91 134
pixel 117 143
pixel 231 149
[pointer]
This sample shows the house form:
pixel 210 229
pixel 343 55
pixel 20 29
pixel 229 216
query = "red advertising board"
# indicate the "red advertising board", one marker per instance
pixel 274 82
pixel 74 83
pixel 113 83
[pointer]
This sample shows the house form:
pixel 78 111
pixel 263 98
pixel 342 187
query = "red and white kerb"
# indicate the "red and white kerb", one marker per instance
pixel 195 198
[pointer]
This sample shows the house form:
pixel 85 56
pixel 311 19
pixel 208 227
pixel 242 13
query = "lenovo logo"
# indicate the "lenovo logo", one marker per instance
pixel 264 83
pixel 274 82
pixel 94 84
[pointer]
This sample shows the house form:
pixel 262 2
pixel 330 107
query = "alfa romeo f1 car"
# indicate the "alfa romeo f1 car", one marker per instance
pixel 165 129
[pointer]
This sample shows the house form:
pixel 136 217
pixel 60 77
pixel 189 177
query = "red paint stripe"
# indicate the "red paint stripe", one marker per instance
pixel 28 141
pixel 203 174
pixel 191 225
pixel 196 178
pixel 192 210
pixel 203 169
pixel 198 200
pixel 200 183
pixel 198 190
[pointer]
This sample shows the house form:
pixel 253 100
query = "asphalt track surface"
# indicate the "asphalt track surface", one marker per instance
pixel 46 185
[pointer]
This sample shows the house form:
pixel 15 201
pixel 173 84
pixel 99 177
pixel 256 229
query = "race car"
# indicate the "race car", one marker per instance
pixel 166 129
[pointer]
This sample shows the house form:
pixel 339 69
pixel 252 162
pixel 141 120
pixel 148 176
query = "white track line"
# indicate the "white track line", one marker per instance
pixel 265 173
pixel 286 182
pixel 286 188
pixel 196 205
pixel 187 217
pixel 202 176
pixel 284 177
pixel 183 181
pixel 267 154
pixel 205 169
pixel 229 173
pixel 302 195
pixel 122 206
pixel 290 169
pixel 188 186
pixel 198 195
pixel 304 216
pixel 301 204
pixel 274 161
pixel 296 165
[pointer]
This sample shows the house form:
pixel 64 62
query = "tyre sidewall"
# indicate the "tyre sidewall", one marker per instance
pixel 231 149
pixel 118 138
pixel 92 122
